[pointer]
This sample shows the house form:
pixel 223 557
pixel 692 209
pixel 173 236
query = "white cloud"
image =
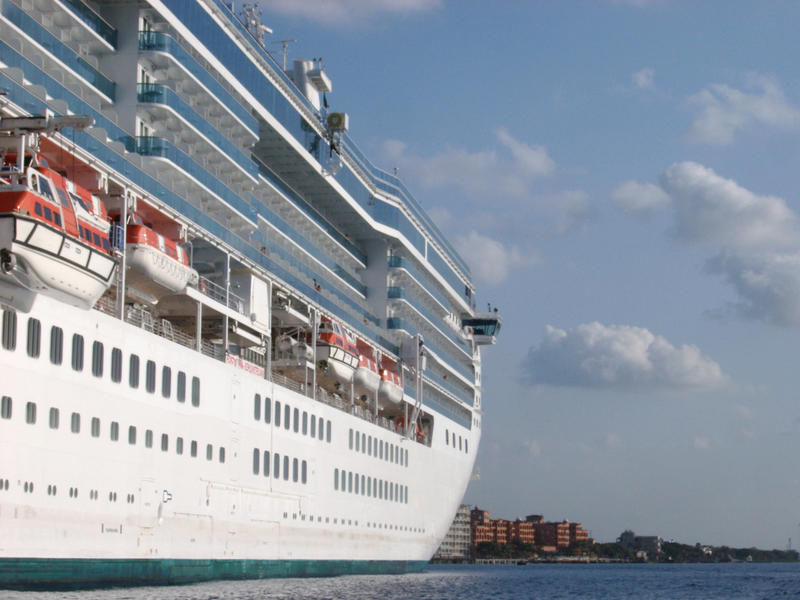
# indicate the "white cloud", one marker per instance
pixel 644 79
pixel 714 210
pixel 490 261
pixel 618 357
pixel 767 283
pixel 348 12
pixel 639 198
pixel 508 170
pixel 724 110
pixel 702 443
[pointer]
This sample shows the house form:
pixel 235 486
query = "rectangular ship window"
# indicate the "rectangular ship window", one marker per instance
pixel 267 410
pixel 276 465
pixel 53 418
pixel 266 463
pixel 30 413
pixel 56 345
pixel 114 431
pixel 77 352
pixel 164 442
pixel 363 488
pixel 193 448
pixel 294 470
pixel 179 445
pixel 350 438
pixel 328 431
pixel 336 479
pixel 222 454
pixel 286 468
pixel 132 435
pixel 181 391
pixel 97 359
pixel 277 413
pixel 209 452
pixel 34 337
pixel 305 423
pixel 166 381
pixel 296 420
pixel 195 391
pixel 75 423
pixel 150 376
pixel 5 407
pixel 304 472
pixel 116 365
pixel 287 415
pixel 257 407
pixel 148 438
pixel 313 431
pixel 9 329
pixel 256 461
pixel 133 371
pixel 95 427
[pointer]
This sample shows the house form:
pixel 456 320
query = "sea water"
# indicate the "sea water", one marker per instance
pixel 757 581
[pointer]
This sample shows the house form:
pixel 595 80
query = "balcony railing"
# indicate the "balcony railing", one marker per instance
pixel 93 21
pixel 58 49
pixel 159 94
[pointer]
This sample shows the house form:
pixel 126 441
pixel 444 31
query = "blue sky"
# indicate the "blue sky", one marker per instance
pixel 622 178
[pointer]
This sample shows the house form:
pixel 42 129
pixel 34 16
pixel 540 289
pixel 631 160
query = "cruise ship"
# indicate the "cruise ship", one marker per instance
pixel 230 346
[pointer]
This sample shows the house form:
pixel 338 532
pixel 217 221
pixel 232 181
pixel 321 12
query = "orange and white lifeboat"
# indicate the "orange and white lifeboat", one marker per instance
pixel 390 389
pixel 366 378
pixel 156 265
pixel 337 354
pixel 54 237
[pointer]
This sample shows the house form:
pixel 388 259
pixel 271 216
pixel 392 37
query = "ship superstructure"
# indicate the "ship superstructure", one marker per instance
pixel 231 346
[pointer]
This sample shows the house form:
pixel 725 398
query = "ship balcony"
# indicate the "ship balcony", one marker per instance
pixel 430 325
pixel 169 62
pixel 405 327
pixel 482 327
pixel 47 52
pixel 443 384
pixel 164 110
pixel 296 212
pixel 403 273
pixel 280 229
pixel 193 181
pixel 77 23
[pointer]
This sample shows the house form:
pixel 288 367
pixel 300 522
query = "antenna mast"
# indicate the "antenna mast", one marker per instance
pixel 284 49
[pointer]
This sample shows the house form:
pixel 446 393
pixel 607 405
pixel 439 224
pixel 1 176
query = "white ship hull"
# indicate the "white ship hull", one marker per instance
pixel 102 503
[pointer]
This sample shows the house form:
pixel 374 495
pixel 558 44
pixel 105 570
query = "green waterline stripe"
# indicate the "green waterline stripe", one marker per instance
pixel 65 573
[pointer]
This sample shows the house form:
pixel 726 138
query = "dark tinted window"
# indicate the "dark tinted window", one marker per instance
pixel 56 345
pixel 9 329
pixel 133 371
pixel 150 377
pixel 34 337
pixel 116 365
pixel 77 352
pixel 97 359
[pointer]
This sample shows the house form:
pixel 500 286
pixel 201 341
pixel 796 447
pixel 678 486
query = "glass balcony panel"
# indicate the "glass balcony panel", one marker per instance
pixel 161 42
pixel 59 50
pixel 92 20
pixel 159 94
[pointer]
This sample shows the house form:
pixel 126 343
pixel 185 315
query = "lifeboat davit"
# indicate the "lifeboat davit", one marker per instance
pixel 157 265
pixel 366 378
pixel 337 354
pixel 390 389
pixel 54 237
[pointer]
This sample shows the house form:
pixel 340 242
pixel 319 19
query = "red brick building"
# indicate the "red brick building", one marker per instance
pixel 534 530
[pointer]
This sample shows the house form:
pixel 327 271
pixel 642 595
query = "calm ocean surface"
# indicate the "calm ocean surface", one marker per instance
pixel 439 582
